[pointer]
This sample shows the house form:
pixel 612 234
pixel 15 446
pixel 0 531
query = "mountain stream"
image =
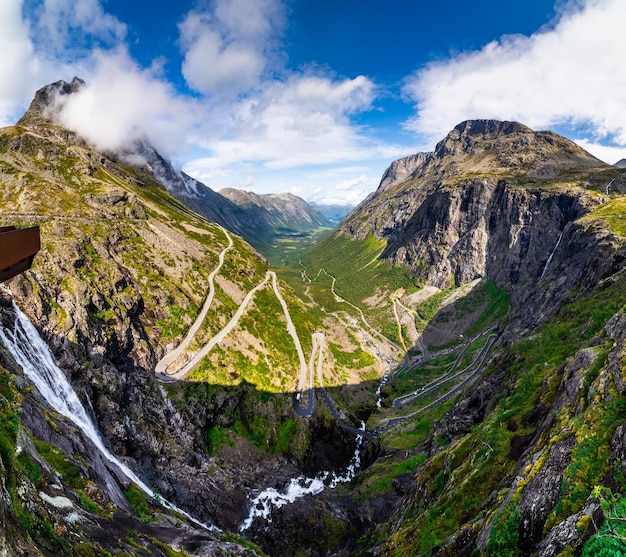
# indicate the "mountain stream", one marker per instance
pixel 261 506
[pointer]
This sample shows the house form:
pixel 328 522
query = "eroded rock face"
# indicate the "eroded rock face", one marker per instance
pixel 541 494
pixel 401 169
pixel 451 228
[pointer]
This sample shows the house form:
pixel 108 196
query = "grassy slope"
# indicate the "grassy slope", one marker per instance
pixel 101 247
pixel 465 480
pixel 138 268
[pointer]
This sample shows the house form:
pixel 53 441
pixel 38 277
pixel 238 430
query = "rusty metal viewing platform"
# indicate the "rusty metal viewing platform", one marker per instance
pixel 17 250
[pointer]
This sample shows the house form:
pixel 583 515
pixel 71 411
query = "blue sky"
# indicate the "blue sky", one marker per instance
pixel 316 97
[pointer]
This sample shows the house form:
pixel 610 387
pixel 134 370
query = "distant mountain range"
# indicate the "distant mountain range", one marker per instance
pixel 259 219
pixel 334 212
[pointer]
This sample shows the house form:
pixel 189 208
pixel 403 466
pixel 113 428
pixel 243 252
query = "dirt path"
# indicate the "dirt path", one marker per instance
pixel 167 360
pixel 294 335
pixel 189 366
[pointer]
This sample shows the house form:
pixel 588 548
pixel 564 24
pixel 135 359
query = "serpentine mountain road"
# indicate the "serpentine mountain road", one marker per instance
pixel 167 360
pixel 318 340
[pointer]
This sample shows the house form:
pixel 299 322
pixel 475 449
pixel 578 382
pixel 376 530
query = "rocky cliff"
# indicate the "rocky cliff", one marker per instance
pixel 492 200
pixel 274 211
pixel 516 465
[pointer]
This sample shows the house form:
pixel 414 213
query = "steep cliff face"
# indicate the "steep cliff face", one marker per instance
pixel 516 465
pixel 400 170
pixel 492 200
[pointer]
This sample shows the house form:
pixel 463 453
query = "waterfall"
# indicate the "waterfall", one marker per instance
pixel 264 502
pixel 545 268
pixel 34 356
pixel 607 189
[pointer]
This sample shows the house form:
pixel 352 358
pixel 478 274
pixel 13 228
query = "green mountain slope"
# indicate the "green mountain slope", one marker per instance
pixel 484 282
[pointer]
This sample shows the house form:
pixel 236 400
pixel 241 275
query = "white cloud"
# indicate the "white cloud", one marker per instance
pixel 227 49
pixel 567 74
pixel 43 41
pixel 122 102
pixel 346 192
pixel 303 120
pixel 211 66
pixel 606 153
pixel 19 66
pixel 250 20
pixel 255 120
pixel 71 22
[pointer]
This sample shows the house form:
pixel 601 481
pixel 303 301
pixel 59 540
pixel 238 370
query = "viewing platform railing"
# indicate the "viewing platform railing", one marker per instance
pixel 17 250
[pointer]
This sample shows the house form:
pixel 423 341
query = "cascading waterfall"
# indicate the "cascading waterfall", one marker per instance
pixel 261 506
pixel 383 381
pixel 34 356
pixel 607 189
pixel 545 268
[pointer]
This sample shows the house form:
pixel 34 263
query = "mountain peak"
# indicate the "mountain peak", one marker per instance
pixel 492 145
pixel 491 128
pixel 42 106
pixel 470 132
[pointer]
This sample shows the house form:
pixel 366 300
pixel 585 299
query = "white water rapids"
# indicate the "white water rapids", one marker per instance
pixel 34 356
pixel 261 506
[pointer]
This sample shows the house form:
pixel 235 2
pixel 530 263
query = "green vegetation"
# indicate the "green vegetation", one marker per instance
pixel 70 472
pixel 505 536
pixel 216 437
pixel 22 468
pixel 275 437
pixel 234 538
pixel 613 213
pixel 355 262
pixel 477 466
pixel 137 500
pixel 429 307
pixel 178 321
pixel 610 541
pixel 357 359
pixel 9 425
pixel 282 246
pixel 30 468
pixel 379 479
pixel 88 504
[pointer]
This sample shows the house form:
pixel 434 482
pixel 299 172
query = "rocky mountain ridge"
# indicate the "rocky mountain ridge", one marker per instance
pixel 514 464
pixel 272 214
pixel 482 174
